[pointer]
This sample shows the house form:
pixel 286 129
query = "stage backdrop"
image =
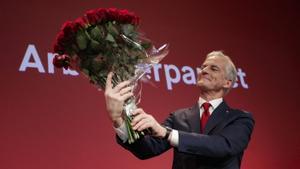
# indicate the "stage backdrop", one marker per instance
pixel 52 119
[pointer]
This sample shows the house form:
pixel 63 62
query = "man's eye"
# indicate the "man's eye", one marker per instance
pixel 214 69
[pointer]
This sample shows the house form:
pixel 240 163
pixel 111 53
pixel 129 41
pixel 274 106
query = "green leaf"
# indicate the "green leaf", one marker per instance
pixel 112 29
pixel 102 31
pixel 95 46
pixel 128 29
pixel 110 38
pixel 95 33
pixel 146 45
pixel 81 40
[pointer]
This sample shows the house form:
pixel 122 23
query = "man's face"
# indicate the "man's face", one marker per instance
pixel 213 74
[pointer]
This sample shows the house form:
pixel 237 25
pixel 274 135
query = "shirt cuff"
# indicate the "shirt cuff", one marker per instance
pixel 122 132
pixel 174 138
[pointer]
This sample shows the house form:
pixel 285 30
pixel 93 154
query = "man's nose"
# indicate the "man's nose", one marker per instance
pixel 204 71
pixel 201 71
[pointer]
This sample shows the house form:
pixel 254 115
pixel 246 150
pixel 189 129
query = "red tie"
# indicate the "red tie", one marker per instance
pixel 205 115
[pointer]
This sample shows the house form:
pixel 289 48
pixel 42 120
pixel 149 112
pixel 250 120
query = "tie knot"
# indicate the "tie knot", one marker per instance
pixel 206 106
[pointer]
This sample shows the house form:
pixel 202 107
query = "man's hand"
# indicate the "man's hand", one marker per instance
pixel 142 121
pixel 115 98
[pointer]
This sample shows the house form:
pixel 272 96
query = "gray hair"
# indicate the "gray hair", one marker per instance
pixel 231 73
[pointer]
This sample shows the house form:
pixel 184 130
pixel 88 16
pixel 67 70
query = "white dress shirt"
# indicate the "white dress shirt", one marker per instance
pixel 174 136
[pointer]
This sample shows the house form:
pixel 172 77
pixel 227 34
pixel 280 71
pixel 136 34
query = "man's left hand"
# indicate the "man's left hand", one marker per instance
pixel 142 121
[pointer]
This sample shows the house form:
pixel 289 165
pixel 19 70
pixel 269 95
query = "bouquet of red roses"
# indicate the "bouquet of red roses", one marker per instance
pixel 105 40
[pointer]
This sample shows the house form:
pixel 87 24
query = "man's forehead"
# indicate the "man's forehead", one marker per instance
pixel 214 60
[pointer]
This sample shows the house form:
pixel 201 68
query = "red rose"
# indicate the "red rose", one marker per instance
pixel 62 41
pixel 68 32
pixel 60 61
pixel 128 18
pixel 79 23
pixel 135 20
pixel 92 17
pixel 113 14
pixel 122 16
pixel 67 28
pixel 58 48
pixel 102 14
pixel 65 37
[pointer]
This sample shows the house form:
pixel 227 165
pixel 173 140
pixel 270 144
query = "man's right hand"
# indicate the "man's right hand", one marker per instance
pixel 115 98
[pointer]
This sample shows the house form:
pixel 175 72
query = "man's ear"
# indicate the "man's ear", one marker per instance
pixel 227 84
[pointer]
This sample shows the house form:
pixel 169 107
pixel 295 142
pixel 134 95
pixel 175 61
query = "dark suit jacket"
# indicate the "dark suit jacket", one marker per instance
pixel 222 145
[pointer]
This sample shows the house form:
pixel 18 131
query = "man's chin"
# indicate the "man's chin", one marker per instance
pixel 203 86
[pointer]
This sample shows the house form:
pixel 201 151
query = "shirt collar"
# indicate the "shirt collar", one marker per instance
pixel 214 103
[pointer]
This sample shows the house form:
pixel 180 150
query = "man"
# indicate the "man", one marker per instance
pixel 208 135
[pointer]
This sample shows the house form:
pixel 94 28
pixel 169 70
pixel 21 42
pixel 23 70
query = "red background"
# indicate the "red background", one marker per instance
pixel 54 121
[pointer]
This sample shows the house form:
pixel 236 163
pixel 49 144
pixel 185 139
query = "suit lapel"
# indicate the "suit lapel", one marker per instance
pixel 217 116
pixel 193 119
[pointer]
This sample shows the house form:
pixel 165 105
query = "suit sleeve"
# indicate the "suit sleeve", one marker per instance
pixel 231 140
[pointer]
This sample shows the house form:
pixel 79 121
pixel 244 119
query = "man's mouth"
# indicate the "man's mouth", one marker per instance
pixel 203 77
